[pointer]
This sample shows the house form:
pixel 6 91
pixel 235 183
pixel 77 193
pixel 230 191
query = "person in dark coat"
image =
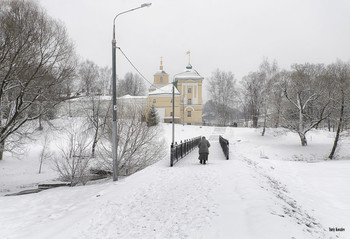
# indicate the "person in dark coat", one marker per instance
pixel 203 150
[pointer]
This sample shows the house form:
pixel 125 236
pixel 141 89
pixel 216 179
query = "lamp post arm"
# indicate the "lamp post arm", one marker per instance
pixel 143 5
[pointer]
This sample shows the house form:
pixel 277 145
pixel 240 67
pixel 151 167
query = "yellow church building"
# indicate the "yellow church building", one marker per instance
pixel 187 95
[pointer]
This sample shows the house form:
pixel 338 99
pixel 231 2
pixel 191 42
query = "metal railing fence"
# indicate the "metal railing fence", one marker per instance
pixel 178 151
pixel 225 146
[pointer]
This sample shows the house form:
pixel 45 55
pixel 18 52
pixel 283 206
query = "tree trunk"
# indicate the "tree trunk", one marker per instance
pixel 255 121
pixel 302 139
pixel 335 144
pixel 2 147
pixel 265 119
pixel 94 143
pixel 301 123
pixel 264 127
pixel 40 124
pixel 278 118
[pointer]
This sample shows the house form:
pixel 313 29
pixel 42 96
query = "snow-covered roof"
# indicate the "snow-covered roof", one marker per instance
pixel 168 89
pixel 132 97
pixel 190 74
pixel 161 72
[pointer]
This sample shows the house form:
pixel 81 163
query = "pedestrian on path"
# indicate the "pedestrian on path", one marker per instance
pixel 203 150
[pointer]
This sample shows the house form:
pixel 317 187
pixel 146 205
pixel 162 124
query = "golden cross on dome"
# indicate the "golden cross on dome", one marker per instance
pixel 189 56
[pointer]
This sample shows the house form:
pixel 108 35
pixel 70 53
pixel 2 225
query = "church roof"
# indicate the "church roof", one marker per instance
pixel 189 73
pixel 161 73
pixel 168 89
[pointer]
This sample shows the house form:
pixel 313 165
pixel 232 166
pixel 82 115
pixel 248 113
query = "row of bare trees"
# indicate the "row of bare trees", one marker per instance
pixel 91 79
pixel 305 97
pixel 222 93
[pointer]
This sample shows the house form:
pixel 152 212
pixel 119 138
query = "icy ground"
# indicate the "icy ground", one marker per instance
pixel 271 187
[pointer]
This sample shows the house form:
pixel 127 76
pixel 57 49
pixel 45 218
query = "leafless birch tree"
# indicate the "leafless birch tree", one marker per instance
pixel 269 71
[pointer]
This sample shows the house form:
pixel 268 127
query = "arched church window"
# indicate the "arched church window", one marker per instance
pixel 161 79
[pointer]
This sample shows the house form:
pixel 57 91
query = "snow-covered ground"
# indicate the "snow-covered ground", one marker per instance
pixel 271 187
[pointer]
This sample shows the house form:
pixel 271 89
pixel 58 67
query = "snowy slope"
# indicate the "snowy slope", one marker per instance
pixel 271 187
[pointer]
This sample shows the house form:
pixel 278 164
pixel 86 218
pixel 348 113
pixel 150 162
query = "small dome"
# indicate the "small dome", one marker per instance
pixel 189 67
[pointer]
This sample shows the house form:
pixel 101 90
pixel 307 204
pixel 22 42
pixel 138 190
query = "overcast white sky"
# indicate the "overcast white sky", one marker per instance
pixel 232 35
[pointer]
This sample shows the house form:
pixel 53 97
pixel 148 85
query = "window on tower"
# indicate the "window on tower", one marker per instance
pixel 189 102
pixel 154 101
pixel 161 79
pixel 188 113
pixel 189 90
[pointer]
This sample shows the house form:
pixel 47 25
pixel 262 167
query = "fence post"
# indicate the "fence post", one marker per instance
pixel 176 151
pixel 181 145
pixel 172 154
pixel 228 150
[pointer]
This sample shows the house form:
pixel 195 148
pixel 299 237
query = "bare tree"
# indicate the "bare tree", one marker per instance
pixel 132 84
pixel 269 71
pixel 45 153
pixel 89 76
pixel 95 108
pixel 104 80
pixel 307 102
pixel 340 76
pixel 277 97
pixel 97 112
pixel 35 56
pixel 253 95
pixel 73 160
pixel 138 145
pixel 222 92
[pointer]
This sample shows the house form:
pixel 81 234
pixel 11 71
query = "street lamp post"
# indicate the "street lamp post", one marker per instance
pixel 173 136
pixel 173 125
pixel 114 89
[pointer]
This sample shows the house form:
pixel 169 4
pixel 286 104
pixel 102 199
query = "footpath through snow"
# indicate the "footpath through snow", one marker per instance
pixel 243 197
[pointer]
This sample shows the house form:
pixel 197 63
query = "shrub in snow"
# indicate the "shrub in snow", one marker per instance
pixel 72 161
pixel 138 145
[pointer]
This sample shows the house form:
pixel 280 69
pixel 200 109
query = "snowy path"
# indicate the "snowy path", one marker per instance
pixel 177 203
pixel 242 197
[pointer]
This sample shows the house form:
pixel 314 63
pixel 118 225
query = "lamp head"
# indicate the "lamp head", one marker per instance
pixel 146 4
